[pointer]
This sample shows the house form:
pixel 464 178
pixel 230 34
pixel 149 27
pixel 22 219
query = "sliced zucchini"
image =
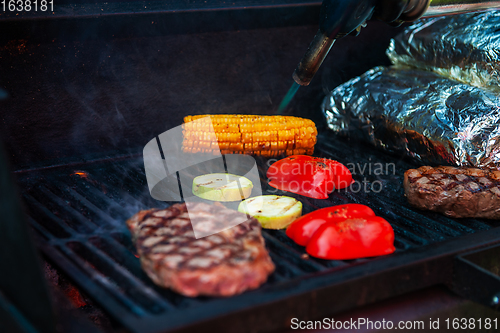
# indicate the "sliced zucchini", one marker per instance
pixel 272 211
pixel 222 187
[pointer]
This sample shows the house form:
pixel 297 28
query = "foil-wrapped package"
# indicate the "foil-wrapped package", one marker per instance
pixel 464 47
pixel 419 114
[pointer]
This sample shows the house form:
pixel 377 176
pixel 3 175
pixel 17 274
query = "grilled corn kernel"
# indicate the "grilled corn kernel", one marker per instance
pixel 268 136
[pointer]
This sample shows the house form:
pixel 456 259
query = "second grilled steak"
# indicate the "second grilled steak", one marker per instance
pixel 223 264
pixel 455 192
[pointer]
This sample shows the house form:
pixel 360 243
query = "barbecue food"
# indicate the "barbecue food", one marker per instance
pixel 272 211
pixel 343 232
pixel 222 264
pixel 302 229
pixel 462 47
pixel 249 134
pixel 313 177
pixel 418 114
pixel 455 192
pixel 222 187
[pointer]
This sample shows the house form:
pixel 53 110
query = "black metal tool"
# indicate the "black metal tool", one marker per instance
pixel 339 18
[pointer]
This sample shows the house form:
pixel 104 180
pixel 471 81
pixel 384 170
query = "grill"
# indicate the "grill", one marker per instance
pixel 78 212
pixel 84 89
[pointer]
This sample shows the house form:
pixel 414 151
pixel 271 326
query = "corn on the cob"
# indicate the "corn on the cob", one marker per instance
pixel 249 134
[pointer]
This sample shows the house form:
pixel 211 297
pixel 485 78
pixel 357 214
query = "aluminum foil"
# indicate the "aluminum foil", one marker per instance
pixel 420 114
pixel 463 47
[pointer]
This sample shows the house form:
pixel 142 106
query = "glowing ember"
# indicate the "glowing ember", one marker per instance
pixel 75 297
pixel 15 47
pixel 82 174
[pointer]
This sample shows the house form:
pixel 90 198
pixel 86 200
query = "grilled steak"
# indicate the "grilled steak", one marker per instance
pixel 222 264
pixel 455 192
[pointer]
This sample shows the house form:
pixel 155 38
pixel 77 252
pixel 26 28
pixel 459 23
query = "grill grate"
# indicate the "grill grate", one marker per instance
pixel 79 216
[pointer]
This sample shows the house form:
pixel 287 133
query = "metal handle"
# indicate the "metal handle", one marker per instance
pixel 316 53
pixel 476 276
pixel 449 7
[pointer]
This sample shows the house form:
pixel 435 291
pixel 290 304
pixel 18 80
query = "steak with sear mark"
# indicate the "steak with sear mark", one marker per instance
pixel 222 264
pixel 455 192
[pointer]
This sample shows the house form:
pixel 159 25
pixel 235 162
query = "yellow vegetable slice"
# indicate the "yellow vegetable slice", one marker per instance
pixel 222 187
pixel 272 211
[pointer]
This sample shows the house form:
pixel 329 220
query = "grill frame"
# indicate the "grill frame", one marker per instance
pixel 42 114
pixel 426 249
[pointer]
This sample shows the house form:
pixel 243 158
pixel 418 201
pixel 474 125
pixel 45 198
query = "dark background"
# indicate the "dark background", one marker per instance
pixel 81 86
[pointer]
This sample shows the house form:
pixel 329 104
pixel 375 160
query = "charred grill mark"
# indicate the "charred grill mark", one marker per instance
pixel 181 241
pixel 448 181
pixel 475 187
pixel 450 186
pixel 413 179
pixel 210 182
pixel 149 214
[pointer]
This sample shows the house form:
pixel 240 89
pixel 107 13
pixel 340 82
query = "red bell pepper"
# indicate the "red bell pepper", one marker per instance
pixel 352 239
pixel 302 229
pixel 309 176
